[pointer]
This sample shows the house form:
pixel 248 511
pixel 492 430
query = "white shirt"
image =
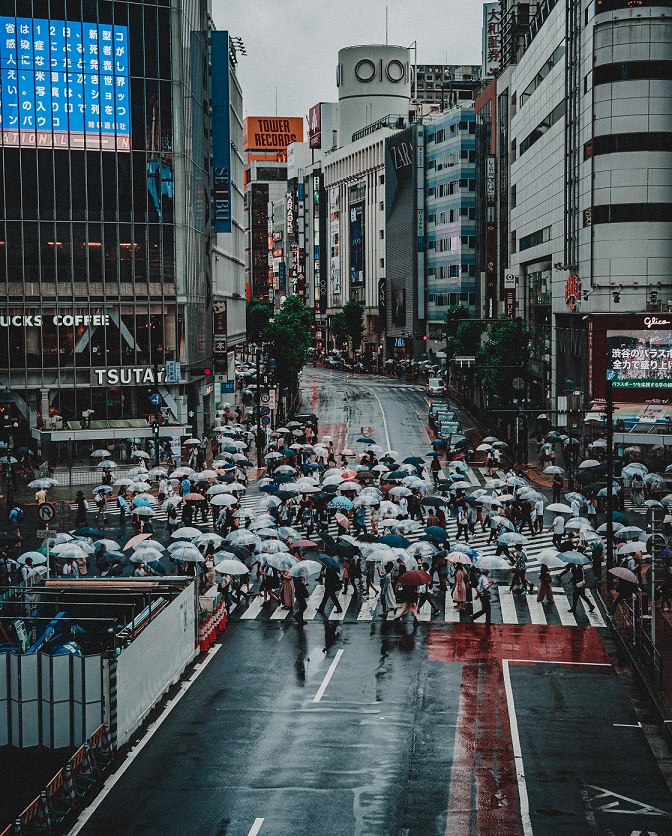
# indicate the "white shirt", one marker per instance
pixel 539 507
pixel 576 508
pixel 559 525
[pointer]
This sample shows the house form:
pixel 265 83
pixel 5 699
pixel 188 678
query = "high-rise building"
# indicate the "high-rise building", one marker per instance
pixel 450 217
pixel 443 86
pixel 105 276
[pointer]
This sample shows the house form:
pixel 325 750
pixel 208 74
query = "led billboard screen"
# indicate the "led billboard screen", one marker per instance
pixel 639 359
pixel 64 84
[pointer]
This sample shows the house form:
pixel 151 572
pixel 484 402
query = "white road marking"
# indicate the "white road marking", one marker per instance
pixel 452 613
pixel 132 755
pixel 425 612
pixel 314 602
pixel 368 609
pixel 327 677
pixel 344 599
pixel 508 607
pixel 567 619
pixel 536 608
pixel 627 725
pixel 523 801
pixel 256 827
pixel 382 412
pixel 254 608
pixel 280 613
pixel 473 478
pixel 595 618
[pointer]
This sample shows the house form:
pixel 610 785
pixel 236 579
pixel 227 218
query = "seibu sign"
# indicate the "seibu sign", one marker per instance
pixel 125 376
pixel 36 320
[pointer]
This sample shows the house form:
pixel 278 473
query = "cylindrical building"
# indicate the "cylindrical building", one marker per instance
pixel 373 82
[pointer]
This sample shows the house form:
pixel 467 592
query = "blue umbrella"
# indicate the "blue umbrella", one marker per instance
pixel 140 501
pixel 574 557
pixel 269 488
pixel 328 560
pixel 283 477
pixel 288 452
pixel 156 566
pixel 396 541
pixel 435 532
pixel 341 502
pixel 314 466
pixel 365 441
pixel 88 532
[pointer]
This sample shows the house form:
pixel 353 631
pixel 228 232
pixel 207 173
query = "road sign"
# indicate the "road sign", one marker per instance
pixel 156 399
pixel 518 383
pixel 265 410
pixel 268 399
pixel 266 419
pixel 46 512
pixel 366 431
pixel 173 372
pixel 63 513
pixel 44 532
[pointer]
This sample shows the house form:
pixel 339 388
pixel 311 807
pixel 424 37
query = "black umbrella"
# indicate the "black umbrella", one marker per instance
pixel 283 495
pixel 434 501
pixel 367 538
pixel 327 539
pixel 396 474
pixel 387 459
pixel 6 537
pixel 366 474
pixel 394 540
pixel 344 549
pixel 414 460
pixel 595 487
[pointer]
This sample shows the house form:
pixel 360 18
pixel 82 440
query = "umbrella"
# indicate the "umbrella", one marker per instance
pixel 100 454
pixel 306 567
pixel 415 577
pixel 630 532
pixel 559 507
pixel 492 562
pixel 328 560
pixel 149 544
pixel 342 520
pixel 223 499
pixel 304 544
pixel 616 516
pixel 102 489
pixel 107 463
pixel 341 502
pixel 72 550
pixel 589 463
pixel 133 541
pixel 554 470
pixel 186 533
pixel 144 511
pixel 43 483
pixel 414 460
pixel 435 532
pixel 433 501
pixel 395 541
pixel 186 553
pixel 510 538
pixel 193 497
pixel 624 574
pixel 36 557
pixel 577 558
pixel 482 448
pixel 632 548
pixel 231 567
pixel 110 545
pixel 88 532
pixel 552 558
pixel 365 441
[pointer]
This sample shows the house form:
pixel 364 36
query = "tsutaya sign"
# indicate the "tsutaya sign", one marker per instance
pixel 125 376
pixel 36 320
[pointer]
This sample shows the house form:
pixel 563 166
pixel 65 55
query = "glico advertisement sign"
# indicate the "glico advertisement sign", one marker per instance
pixel 634 353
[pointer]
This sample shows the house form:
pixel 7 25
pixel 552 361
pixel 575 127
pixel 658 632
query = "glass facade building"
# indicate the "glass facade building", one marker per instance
pixel 105 224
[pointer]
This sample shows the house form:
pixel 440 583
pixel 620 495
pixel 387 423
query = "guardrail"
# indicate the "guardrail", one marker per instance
pixel 47 812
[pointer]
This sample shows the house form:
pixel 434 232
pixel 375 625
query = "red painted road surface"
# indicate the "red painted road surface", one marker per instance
pixel 483 792
pixel 337 432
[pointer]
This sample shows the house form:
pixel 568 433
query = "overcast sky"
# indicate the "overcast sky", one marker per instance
pixel 294 43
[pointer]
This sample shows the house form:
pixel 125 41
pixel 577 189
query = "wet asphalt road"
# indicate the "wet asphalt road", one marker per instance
pixel 379 729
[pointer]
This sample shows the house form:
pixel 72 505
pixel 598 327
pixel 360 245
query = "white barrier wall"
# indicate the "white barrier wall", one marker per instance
pixel 154 661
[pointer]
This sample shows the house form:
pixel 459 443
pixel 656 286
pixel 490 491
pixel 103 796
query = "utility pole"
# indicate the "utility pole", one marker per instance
pixel 609 394
pixel 257 401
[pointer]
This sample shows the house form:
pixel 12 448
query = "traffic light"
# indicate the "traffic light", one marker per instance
pixel 156 427
pixel 425 337
pixel 206 371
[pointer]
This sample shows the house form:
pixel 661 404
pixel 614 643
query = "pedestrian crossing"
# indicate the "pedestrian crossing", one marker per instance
pixel 507 608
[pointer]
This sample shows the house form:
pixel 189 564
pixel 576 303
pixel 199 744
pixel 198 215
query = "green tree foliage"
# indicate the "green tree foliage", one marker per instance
pixel 503 356
pixel 463 334
pixel 258 314
pixel 338 327
pixel 288 336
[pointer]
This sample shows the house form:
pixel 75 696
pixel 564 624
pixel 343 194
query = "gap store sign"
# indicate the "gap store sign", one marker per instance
pixel 64 84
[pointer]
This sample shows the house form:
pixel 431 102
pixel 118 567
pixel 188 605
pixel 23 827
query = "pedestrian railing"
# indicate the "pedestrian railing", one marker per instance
pixel 48 812
pixel 628 621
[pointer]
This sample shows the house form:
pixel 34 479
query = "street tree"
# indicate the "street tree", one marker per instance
pixel 288 336
pixel 503 356
pixel 353 318
pixel 455 315
pixel 258 314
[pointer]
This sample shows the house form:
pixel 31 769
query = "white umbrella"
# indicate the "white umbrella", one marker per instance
pixel 209 538
pixel 154 545
pixel 100 454
pixel 223 499
pixel 306 567
pixel 559 507
pixel 242 537
pixel 36 557
pixel 187 553
pixel 107 463
pixel 231 566
pixel 140 454
pixel 143 511
pixel 588 463
pixel 186 533
pixel 75 550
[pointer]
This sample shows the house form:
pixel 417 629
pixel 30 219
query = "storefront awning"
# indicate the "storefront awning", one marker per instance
pixel 643 418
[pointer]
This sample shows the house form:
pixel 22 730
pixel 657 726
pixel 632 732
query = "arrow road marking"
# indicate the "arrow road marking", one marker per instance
pixel 640 808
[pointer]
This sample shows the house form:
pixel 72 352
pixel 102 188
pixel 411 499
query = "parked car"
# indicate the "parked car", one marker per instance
pixel 436 388
pixel 307 419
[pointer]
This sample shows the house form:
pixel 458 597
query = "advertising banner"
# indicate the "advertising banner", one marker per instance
pixel 334 255
pixel 357 244
pixel 221 133
pixel 64 84
pixel 271 133
pixel 315 126
pixel 492 40
pixel 640 359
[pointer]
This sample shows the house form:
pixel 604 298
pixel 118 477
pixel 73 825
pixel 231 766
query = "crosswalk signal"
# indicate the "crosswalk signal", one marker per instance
pixel 206 371
pixel 156 427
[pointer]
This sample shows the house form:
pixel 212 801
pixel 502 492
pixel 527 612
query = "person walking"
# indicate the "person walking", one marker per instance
pixel 483 593
pixel 301 598
pixel 462 523
pixel 520 570
pixel 101 507
pixel 539 519
pixel 545 593
pixel 287 593
pixel 82 508
pixel 460 589
pixel 425 594
pixel 578 586
pixel 557 487
pixel 332 585
pixel 387 596
pixel 435 470
pixel 558 529
pixel 409 600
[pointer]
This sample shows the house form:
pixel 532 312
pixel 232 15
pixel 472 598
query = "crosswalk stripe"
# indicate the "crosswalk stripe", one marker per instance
pixel 425 612
pixel 253 609
pixel 314 602
pixel 344 599
pixel 507 605
pixel 536 608
pixel 368 608
pixel 595 618
pixel 280 613
pixel 567 619
pixel 452 614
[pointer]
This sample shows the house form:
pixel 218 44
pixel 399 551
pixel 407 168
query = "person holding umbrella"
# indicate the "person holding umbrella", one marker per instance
pixel 627 587
pixel 483 594
pixel 460 588
pixel 388 599
pixel 332 585
pixel 410 583
pixel 578 586
pixel 300 597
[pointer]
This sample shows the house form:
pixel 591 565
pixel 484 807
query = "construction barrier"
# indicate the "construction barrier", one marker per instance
pixel 63 793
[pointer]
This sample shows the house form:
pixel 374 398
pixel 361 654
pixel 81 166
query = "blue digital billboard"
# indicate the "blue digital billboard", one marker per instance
pixel 64 84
